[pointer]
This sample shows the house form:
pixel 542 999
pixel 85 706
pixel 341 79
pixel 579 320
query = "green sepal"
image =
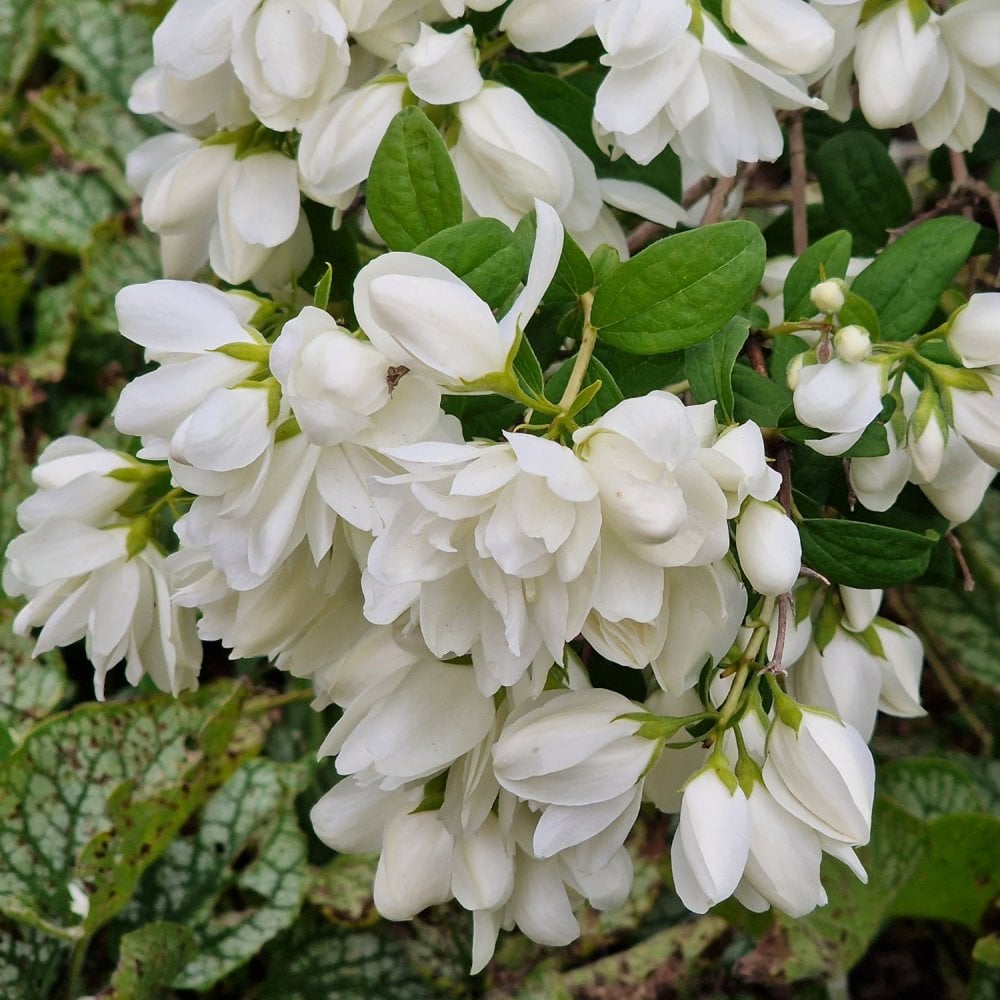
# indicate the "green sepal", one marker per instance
pixel 585 396
pixel 433 794
pixel 869 638
pixel 787 709
pixel 963 379
pixel 242 351
pixel 138 536
pixel 321 295
pixel 286 430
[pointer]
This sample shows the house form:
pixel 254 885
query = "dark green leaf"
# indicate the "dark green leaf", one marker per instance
pixel 638 374
pixel 608 395
pixel 762 400
pixel 833 253
pixel 873 443
pixel 528 370
pixel 681 289
pixel 709 366
pixel 906 280
pixel 863 190
pixel 413 189
pixel 863 555
pixel 20 21
pixel 484 254
pixel 859 312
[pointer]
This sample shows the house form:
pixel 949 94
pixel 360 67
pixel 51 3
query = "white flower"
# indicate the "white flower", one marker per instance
pixel 783 862
pixel 790 33
pixel 338 142
pixel 574 750
pixel 974 332
pixel 860 607
pixel 957 490
pixel 878 481
pixel 544 25
pixel 710 848
pixel 838 397
pixel 976 416
pixel 442 68
pixel 901 669
pixel 82 583
pixel 351 817
pixel 769 548
pixel 822 772
pixel 414 868
pixel 419 314
pixel 340 388
pixel 291 56
pixel 507 157
pixel 901 69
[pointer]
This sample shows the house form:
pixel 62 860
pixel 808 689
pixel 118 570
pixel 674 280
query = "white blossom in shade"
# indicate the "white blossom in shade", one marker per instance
pixel 656 497
pixel 507 156
pixel 573 750
pixel 340 387
pixel 822 772
pixel 782 868
pixel 352 816
pixel 837 76
pixel 976 416
pixel 769 548
pixel 442 68
pixel 712 842
pixel 974 331
pixel 209 206
pixel 414 868
pixel 901 68
pixel 878 481
pixel 181 325
pixel 791 34
pixel 664 782
pixel 739 465
pixel 339 141
pixel 641 199
pixel 661 76
pixel 544 25
pixel 194 37
pixel 291 56
pixel 413 724
pixel 901 668
pixel 958 488
pixel 198 106
pixel 845 678
pixel 77 479
pixel 82 583
pixel 419 314
pixel 838 397
pixel 483 867
pixel 860 607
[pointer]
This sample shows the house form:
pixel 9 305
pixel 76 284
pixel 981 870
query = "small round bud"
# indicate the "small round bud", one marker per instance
pixel 828 296
pixel 794 370
pixel 852 344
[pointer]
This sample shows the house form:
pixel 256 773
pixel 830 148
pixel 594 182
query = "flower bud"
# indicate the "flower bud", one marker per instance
pixel 926 437
pixel 852 344
pixel 828 296
pixel 794 370
pixel 769 548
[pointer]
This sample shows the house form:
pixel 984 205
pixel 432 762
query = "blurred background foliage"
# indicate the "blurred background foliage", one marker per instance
pixel 186 822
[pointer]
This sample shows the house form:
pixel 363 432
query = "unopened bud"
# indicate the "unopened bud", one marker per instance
pixel 794 370
pixel 828 296
pixel 852 344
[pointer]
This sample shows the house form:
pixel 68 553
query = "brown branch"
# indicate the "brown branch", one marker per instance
pixel 797 159
pixel 717 200
pixel 968 583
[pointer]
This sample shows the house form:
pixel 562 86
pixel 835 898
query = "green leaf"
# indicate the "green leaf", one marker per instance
pixel 240 879
pixel 762 400
pixel 112 782
pixel 343 888
pixel 833 253
pixel 32 962
pixel 681 289
pixel 574 274
pixel 29 688
pixel 859 311
pixel 412 190
pixel 20 21
pixel 56 319
pixel 930 787
pixel 709 366
pixel 527 370
pixel 873 443
pixel 150 958
pixel 484 254
pixel 107 46
pixel 59 210
pixel 607 396
pixel 906 280
pixel 863 191
pixel 638 374
pixel 863 555
pixel 960 874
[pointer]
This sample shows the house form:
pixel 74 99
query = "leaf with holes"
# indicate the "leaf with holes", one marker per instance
pixel 149 959
pixel 237 881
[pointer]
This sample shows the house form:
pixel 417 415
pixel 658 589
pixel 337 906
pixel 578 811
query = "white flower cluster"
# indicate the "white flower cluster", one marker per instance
pixel 272 101
pixel 337 522
pixel 941 436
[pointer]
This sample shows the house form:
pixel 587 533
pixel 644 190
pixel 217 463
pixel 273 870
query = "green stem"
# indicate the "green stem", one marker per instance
pixel 587 344
pixel 74 987
pixel 734 698
pixel 255 706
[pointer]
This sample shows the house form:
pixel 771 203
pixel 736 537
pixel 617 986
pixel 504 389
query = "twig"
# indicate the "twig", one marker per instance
pixel 959 176
pixel 968 583
pixel 717 200
pixel 646 232
pixel 797 160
